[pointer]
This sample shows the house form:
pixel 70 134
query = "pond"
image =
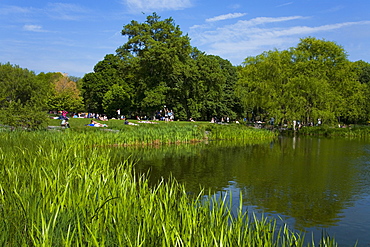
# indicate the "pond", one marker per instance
pixel 313 184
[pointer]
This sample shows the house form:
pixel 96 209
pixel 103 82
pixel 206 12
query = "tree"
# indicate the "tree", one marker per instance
pixel 263 86
pixel 160 52
pixel 65 94
pixel 95 85
pixel 218 78
pixel 23 98
pixel 116 98
pixel 157 67
pixel 313 80
pixel 170 72
pixel 362 69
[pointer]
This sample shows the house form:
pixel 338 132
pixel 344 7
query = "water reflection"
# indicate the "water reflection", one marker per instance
pixel 310 180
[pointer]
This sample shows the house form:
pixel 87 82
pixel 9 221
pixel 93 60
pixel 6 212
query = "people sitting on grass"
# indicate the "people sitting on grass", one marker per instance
pixel 128 123
pixel 93 123
pixel 103 118
pixel 65 123
pixel 149 122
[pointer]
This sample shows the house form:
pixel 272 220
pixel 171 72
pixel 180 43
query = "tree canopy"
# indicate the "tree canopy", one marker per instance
pixel 156 68
pixel 23 97
pixel 64 93
pixel 312 81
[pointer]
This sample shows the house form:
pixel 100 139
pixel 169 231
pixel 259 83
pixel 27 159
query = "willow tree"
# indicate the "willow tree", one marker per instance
pixel 312 81
pixel 263 85
pixel 338 94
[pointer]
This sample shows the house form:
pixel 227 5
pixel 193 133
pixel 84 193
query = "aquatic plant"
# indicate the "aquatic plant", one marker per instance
pixel 61 189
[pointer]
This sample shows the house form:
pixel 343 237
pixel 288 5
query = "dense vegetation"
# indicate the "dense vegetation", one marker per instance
pixel 26 97
pixel 59 190
pixel 312 81
pixel 157 67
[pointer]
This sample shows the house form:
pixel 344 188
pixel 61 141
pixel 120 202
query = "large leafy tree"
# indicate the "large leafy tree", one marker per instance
pixel 170 72
pixel 95 85
pixel 157 67
pixel 311 81
pixel 216 95
pixel 116 98
pixel 160 53
pixel 23 97
pixel 64 93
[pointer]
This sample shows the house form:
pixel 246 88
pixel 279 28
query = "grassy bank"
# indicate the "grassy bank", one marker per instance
pixel 347 131
pixel 117 133
pixel 56 189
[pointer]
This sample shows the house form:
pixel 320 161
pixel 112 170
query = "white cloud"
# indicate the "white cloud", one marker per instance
pixel 152 5
pixel 243 29
pixel 284 4
pixel 225 17
pixel 13 10
pixel 65 11
pixel 334 9
pixel 252 37
pixel 265 20
pixel 33 28
pixel 61 11
pixel 235 6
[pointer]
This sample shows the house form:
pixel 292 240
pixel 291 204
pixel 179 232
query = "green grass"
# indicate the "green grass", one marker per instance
pixel 60 188
pixel 117 133
pixel 350 131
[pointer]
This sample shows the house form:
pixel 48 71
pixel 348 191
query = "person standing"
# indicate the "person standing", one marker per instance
pixel 64 114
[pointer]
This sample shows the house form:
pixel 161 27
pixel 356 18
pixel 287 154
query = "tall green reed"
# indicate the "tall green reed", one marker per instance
pixel 61 189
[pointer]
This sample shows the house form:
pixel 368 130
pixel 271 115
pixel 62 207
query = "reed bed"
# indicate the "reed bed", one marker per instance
pixel 165 133
pixel 61 189
pixel 355 131
pixel 236 132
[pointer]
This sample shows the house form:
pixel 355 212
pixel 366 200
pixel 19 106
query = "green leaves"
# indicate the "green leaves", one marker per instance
pixel 23 98
pixel 314 80
pixel 157 67
pixel 115 98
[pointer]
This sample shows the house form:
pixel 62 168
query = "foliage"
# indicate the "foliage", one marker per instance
pixel 311 81
pixel 346 131
pixel 95 85
pixel 157 67
pixel 23 98
pixel 115 98
pixel 65 94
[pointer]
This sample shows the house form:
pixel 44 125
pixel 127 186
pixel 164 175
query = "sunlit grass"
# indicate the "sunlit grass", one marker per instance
pixel 357 131
pixel 117 133
pixel 62 189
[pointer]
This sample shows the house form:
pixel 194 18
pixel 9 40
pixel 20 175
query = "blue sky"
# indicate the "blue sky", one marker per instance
pixel 72 36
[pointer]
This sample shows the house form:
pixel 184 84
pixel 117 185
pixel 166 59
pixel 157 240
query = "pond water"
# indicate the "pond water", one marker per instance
pixel 312 184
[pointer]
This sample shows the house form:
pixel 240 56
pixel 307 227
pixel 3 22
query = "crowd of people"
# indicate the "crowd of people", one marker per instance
pixel 165 114
pixel 161 115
